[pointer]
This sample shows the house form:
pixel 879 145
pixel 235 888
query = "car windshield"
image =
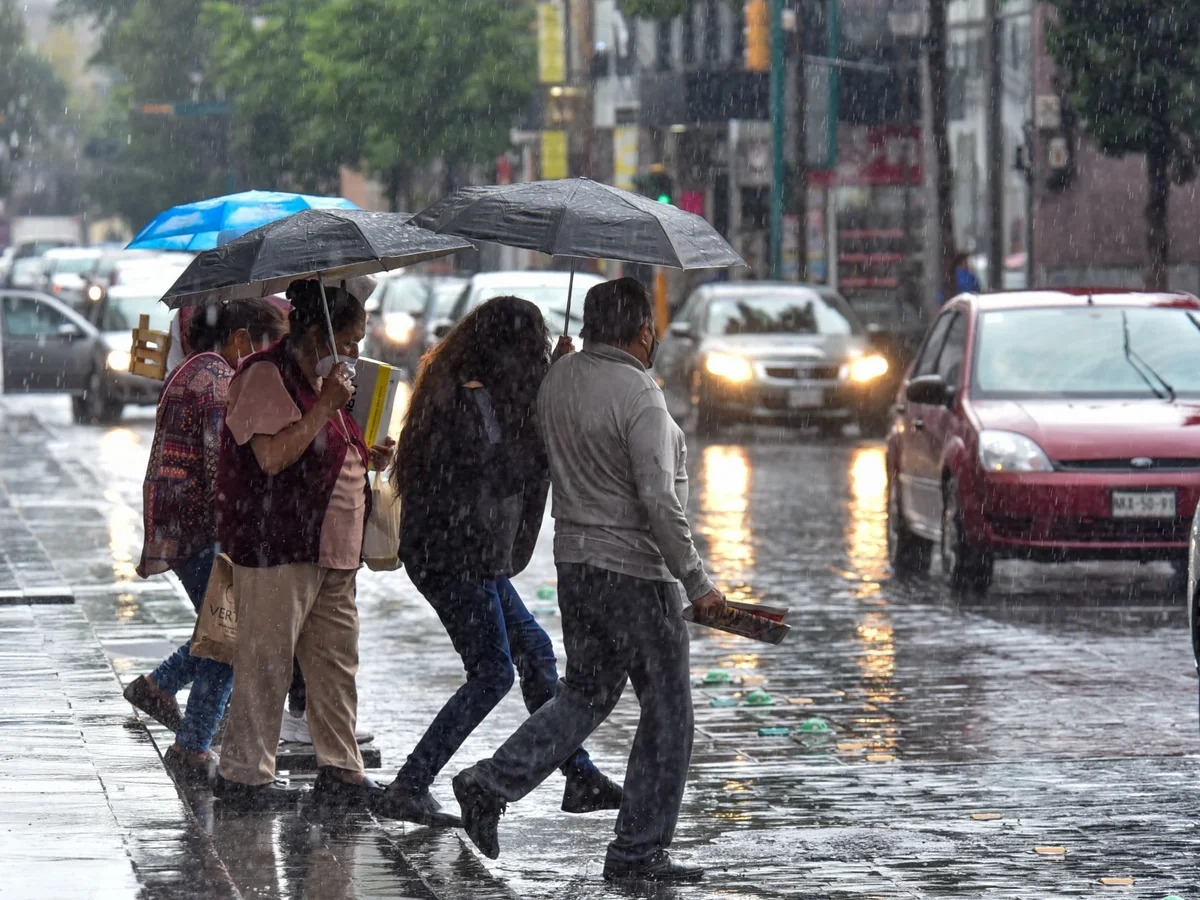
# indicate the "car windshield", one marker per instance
pixel 445 294
pixel 550 299
pixel 1081 353
pixel 407 294
pixel 74 265
pixel 805 312
pixel 121 312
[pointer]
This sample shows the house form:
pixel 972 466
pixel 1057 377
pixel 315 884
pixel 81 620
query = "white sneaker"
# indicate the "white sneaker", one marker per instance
pixel 294 730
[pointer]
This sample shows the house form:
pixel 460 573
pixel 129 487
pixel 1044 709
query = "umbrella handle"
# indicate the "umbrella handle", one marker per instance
pixel 570 291
pixel 328 322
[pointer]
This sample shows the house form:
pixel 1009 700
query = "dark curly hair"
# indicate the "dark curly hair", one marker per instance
pixel 505 345
pixel 305 296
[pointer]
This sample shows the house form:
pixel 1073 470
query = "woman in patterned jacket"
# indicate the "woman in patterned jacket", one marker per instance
pixel 180 515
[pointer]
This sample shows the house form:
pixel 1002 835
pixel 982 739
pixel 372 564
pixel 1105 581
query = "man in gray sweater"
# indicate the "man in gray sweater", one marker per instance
pixel 625 559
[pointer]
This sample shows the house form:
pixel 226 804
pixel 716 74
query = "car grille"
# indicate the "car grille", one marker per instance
pixel 1085 529
pixel 785 372
pixel 1170 464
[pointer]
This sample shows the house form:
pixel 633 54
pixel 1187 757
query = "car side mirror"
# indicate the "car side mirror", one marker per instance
pixel 69 330
pixel 930 390
pixel 682 330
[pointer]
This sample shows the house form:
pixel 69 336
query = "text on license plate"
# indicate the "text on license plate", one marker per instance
pixel 1143 504
pixel 806 398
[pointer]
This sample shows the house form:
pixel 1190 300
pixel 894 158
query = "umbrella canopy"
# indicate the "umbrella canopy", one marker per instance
pixel 577 217
pixel 218 220
pixel 328 244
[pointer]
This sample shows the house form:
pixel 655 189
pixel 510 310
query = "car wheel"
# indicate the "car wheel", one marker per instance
pixel 95 406
pixel 968 566
pixel 908 553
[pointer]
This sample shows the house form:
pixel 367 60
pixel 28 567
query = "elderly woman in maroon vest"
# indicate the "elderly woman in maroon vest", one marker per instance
pixel 291 504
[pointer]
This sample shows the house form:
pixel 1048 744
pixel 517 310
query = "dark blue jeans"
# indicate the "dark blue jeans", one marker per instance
pixel 492 631
pixel 211 681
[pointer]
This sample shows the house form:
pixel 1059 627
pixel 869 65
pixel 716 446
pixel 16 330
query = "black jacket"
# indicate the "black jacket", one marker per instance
pixel 475 512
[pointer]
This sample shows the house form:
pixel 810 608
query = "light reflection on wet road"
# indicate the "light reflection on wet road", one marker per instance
pixel 1060 708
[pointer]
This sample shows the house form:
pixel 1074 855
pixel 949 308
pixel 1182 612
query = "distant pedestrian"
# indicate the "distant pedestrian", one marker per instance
pixel 291 506
pixel 471 472
pixel 622 545
pixel 965 280
pixel 179 497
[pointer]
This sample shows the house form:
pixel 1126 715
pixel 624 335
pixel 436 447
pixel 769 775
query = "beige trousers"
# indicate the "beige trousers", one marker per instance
pixel 300 610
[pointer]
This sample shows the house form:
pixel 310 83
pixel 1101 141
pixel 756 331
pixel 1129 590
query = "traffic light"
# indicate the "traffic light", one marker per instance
pixel 656 184
pixel 757 33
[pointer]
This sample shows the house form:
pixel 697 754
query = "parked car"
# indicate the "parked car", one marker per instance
pixel 546 289
pixel 65 271
pixel 405 311
pixel 1048 425
pixel 47 346
pixel 771 352
pixel 111 387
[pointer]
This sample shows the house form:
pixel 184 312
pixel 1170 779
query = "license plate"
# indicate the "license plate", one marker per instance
pixel 806 398
pixel 1143 504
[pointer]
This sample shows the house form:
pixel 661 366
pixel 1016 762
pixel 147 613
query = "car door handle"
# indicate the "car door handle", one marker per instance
pixel 919 424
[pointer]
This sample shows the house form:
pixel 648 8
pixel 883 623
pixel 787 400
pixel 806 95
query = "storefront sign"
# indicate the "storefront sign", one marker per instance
pixel 552 45
pixel 554 154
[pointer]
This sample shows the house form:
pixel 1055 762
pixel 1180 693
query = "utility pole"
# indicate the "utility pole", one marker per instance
pixel 778 124
pixel 943 176
pixel 800 173
pixel 994 131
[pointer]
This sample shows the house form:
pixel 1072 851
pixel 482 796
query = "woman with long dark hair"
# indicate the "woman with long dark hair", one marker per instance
pixel 472 474
pixel 291 506
pixel 179 496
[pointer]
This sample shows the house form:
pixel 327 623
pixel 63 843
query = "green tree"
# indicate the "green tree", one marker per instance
pixel 32 96
pixel 400 83
pixel 1133 74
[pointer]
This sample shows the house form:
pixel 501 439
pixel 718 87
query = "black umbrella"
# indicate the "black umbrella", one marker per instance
pixel 328 244
pixel 580 218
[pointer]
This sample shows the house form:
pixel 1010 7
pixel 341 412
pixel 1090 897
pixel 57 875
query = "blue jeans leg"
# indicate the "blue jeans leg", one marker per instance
pixel 177 670
pixel 533 654
pixel 474 619
pixel 206 705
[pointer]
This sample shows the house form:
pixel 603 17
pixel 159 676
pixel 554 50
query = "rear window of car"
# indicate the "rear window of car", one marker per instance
pixel 1087 352
pixel 789 312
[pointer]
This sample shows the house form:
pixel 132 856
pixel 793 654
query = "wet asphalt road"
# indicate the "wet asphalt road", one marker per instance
pixel 963 733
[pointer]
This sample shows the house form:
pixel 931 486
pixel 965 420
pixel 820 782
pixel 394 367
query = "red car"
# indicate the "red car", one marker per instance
pixel 1048 425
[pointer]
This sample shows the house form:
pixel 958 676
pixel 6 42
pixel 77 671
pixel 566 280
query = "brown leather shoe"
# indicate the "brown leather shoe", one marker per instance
pixel 158 705
pixel 192 769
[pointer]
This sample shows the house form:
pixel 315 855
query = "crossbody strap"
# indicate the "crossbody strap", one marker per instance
pixel 491 425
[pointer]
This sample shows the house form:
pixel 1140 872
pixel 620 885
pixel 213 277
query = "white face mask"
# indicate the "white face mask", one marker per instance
pixel 326 363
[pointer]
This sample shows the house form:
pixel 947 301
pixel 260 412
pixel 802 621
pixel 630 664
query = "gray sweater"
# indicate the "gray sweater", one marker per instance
pixel 617 470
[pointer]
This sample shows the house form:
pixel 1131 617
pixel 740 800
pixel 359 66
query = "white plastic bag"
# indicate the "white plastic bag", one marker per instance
pixel 381 536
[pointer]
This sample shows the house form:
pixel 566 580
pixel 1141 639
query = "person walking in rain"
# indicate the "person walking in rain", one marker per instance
pixel 623 547
pixel 179 508
pixel 291 506
pixel 471 471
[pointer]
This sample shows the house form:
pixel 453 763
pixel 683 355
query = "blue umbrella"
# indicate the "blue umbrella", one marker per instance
pixel 210 223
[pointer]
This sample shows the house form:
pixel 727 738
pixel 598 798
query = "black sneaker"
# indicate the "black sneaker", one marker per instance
pixel 332 792
pixel 590 791
pixel 408 804
pixel 481 812
pixel 659 867
pixel 256 797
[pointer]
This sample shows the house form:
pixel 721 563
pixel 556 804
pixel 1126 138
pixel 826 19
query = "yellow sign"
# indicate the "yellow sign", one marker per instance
pixel 552 47
pixel 554 154
pixel 625 157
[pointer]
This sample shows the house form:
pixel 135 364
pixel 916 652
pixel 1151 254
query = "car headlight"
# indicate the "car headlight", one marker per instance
pixel 867 368
pixel 118 361
pixel 95 293
pixel 727 366
pixel 399 327
pixel 1007 451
